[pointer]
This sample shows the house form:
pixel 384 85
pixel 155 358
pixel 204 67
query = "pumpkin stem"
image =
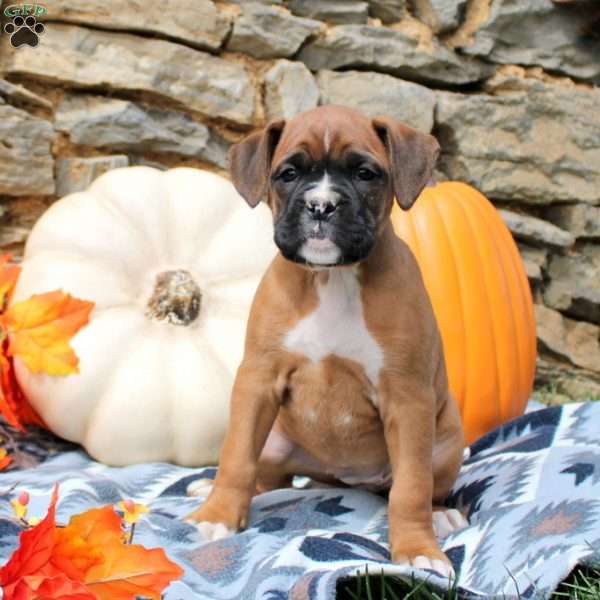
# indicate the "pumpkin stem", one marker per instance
pixel 176 298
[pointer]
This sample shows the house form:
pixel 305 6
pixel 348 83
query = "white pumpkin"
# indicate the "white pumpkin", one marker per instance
pixel 172 260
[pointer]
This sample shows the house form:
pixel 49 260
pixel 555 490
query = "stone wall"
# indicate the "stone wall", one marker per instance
pixel 507 86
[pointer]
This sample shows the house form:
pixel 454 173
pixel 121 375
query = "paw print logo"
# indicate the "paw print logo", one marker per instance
pixel 24 31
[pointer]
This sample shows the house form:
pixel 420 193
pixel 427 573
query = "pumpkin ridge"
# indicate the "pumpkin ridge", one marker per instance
pixel 215 355
pixel 471 416
pixel 135 342
pixel 144 238
pixel 439 209
pixel 507 397
pixel 432 222
pixel 83 261
pixel 482 222
pixel 108 189
pixel 106 388
pixel 521 297
pixel 177 186
pixel 44 236
pixel 208 276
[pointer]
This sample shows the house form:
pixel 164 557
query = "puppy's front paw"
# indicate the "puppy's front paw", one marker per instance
pixel 212 532
pixel 443 567
pixel 447 521
pixel 222 513
pixel 424 557
pixel 211 524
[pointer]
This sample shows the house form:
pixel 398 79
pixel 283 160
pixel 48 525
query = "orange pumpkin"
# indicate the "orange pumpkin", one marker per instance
pixel 481 298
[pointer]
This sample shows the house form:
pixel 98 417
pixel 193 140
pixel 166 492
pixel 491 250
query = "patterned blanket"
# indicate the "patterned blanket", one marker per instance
pixel 531 490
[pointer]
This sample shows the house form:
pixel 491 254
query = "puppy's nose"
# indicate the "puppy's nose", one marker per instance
pixel 320 210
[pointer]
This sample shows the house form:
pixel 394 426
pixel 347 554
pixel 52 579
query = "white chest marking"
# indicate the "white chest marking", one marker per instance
pixel 337 326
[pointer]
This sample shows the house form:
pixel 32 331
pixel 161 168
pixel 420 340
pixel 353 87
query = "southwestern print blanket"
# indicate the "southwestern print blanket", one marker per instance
pixel 531 491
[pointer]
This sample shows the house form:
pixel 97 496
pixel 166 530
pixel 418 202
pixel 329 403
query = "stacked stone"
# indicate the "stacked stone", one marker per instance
pixel 509 87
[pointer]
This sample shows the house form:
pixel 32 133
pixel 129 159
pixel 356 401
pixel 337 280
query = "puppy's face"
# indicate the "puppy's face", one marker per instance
pixel 327 201
pixel 329 176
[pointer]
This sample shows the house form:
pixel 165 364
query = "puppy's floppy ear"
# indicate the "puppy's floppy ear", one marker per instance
pixel 250 162
pixel 412 155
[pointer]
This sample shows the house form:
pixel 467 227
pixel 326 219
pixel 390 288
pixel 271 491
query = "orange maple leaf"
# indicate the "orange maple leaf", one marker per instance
pixel 39 331
pixel 129 571
pixel 8 278
pixel 91 549
pixel 13 405
pixel 33 553
pixel 86 560
pixel 81 544
pixel 29 575
pixel 49 587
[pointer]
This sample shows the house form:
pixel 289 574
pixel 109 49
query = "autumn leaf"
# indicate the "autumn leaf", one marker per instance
pixel 8 405
pixel 129 571
pixel 13 405
pixel 5 459
pixel 91 549
pixel 85 560
pixel 81 544
pixel 8 279
pixel 37 330
pixel 47 587
pixel 34 551
pixel 40 329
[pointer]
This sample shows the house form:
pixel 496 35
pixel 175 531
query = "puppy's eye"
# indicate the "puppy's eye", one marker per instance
pixel 289 174
pixel 365 174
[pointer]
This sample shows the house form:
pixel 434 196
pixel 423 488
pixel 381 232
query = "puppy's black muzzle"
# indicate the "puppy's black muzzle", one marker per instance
pixel 321 212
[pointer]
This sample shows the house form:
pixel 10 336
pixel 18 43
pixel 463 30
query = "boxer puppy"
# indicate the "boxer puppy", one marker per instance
pixel 343 377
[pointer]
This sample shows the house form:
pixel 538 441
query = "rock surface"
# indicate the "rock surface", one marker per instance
pixel 448 12
pixel 440 15
pixel 195 22
pixel 21 95
pixel 331 11
pixel 269 31
pixel 26 162
pixel 76 174
pixel 10 235
pixel 390 51
pixel 535 261
pixel 577 384
pixel 389 11
pixel 378 94
pixel 290 88
pixel 538 146
pixel 85 58
pixel 582 220
pixel 540 32
pixel 574 286
pixel 124 125
pixel 564 338
pixel 536 231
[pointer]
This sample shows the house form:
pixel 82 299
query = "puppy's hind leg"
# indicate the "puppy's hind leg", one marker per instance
pixel 273 473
